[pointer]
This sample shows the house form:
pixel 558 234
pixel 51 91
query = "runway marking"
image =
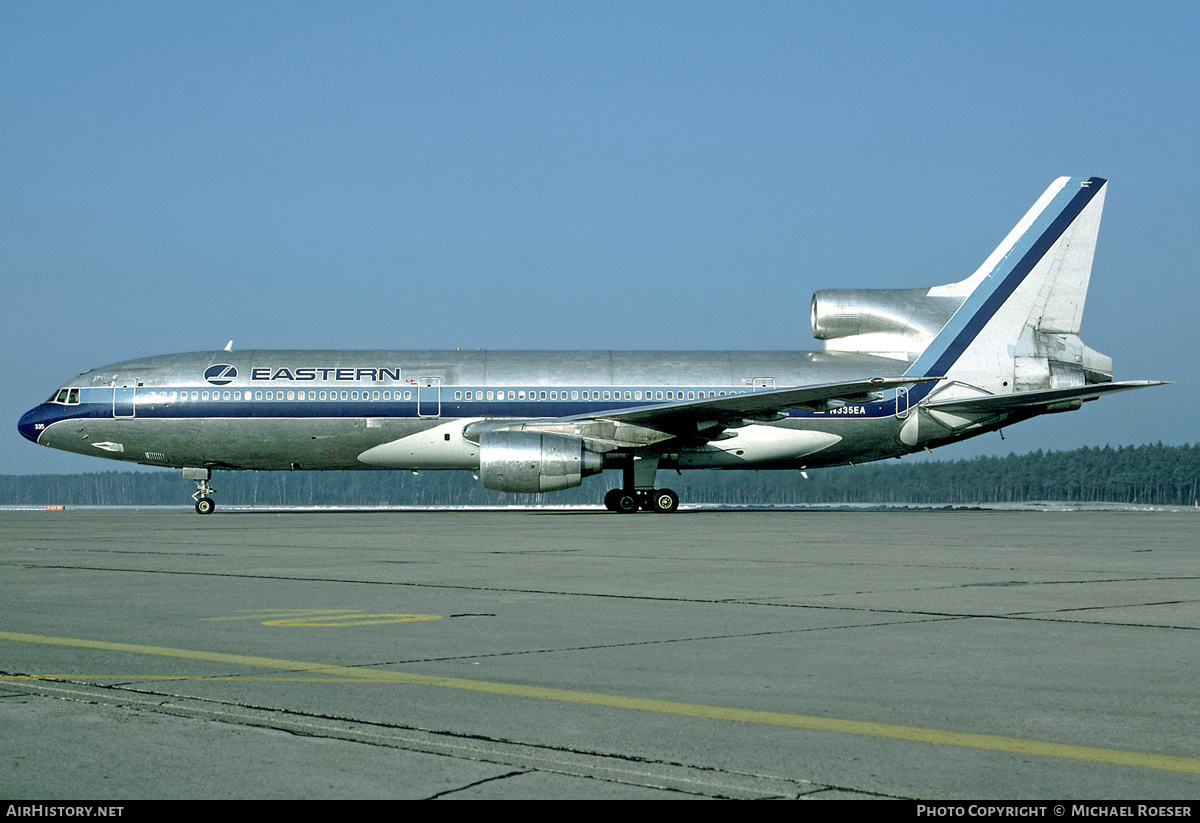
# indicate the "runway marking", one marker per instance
pixel 913 733
pixel 279 613
pixel 324 618
pixel 351 620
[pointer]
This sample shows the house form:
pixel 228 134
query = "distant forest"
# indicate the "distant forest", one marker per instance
pixel 1153 474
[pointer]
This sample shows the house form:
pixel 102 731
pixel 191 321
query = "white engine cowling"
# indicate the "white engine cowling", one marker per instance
pixel 530 461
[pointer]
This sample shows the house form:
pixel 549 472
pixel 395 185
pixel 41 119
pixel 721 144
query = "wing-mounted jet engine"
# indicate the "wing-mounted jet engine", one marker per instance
pixel 533 461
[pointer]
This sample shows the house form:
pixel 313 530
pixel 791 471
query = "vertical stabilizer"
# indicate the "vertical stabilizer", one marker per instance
pixel 1018 326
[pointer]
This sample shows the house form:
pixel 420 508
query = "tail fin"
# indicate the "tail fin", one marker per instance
pixel 1018 326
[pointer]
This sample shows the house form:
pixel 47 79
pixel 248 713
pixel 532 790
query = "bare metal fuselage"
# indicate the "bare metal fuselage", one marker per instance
pixel 297 409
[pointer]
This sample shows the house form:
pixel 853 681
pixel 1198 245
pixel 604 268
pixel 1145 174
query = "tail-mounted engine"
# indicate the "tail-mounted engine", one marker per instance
pixel 530 461
pixel 896 323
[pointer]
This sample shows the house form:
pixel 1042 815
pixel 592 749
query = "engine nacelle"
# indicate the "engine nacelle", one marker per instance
pixel 890 322
pixel 530 461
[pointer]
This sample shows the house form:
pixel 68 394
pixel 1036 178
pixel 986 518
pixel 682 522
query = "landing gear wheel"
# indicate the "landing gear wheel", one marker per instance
pixel 627 502
pixel 663 501
pixel 204 489
pixel 610 499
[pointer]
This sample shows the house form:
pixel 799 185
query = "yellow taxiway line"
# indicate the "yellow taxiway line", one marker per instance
pixel 936 736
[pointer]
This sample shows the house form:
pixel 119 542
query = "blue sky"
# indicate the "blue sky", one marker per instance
pixel 555 175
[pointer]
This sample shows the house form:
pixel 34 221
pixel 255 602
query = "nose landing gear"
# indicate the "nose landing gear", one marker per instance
pixel 204 502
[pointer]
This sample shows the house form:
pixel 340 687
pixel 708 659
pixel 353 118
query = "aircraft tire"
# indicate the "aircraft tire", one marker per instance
pixel 664 501
pixel 610 499
pixel 627 502
pixel 205 505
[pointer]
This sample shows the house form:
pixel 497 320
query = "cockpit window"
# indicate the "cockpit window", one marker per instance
pixel 65 397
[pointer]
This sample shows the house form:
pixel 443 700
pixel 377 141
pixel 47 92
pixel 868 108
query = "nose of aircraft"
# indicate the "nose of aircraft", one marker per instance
pixel 32 422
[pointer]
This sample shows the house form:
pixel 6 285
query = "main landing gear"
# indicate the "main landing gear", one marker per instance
pixel 627 501
pixel 204 503
pixel 637 490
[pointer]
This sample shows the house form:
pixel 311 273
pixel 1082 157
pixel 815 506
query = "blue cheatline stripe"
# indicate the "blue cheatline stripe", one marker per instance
pixel 984 302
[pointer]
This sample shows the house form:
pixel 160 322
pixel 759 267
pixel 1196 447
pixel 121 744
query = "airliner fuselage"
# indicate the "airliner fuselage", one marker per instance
pixel 338 409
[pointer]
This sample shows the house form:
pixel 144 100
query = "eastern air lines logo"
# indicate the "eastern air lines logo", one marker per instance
pixel 220 374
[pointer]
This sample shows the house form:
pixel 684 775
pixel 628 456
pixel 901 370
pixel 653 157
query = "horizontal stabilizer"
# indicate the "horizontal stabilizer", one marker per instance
pixel 1036 399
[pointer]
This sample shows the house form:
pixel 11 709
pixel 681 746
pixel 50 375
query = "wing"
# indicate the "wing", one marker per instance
pixel 705 419
pixel 690 416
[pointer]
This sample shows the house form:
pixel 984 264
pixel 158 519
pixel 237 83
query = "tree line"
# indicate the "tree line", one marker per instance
pixel 1149 474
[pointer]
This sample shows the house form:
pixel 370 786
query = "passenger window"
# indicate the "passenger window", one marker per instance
pixel 542 396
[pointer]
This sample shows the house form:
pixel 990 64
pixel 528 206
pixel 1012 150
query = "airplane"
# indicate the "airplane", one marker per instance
pixel 901 371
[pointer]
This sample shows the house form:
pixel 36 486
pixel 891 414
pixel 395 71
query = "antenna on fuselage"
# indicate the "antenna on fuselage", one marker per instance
pixel 229 346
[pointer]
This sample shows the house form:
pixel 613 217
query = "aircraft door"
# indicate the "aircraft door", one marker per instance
pixel 902 402
pixel 429 396
pixel 123 400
